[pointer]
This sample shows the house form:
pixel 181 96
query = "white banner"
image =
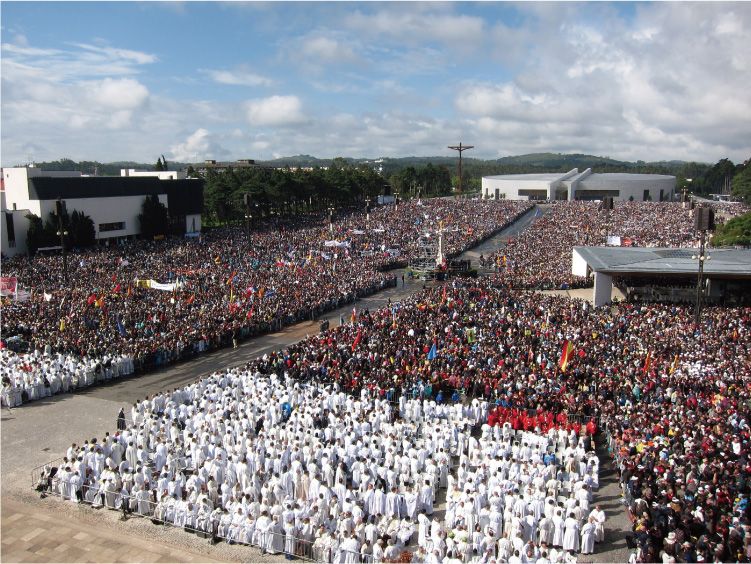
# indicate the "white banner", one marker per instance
pixel 614 240
pixel 154 285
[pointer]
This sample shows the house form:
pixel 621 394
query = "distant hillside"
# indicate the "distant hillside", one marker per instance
pixel 558 160
pixel 103 169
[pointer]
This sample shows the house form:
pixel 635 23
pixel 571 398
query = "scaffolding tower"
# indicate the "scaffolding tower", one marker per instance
pixel 424 264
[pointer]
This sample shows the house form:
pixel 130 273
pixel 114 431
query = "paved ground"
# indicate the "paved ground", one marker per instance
pixel 50 530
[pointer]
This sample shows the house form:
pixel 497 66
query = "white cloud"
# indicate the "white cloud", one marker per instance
pixel 199 145
pixel 666 84
pixel 275 111
pixel 112 53
pixel 120 93
pixel 411 23
pixel 239 77
pixel 327 49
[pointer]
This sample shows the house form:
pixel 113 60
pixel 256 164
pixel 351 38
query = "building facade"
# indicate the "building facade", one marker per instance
pixel 113 203
pixel 575 185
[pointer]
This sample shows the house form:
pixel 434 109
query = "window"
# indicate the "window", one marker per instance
pixel 116 226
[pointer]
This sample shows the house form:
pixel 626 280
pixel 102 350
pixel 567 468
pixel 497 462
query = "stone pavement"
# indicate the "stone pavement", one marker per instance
pixel 31 535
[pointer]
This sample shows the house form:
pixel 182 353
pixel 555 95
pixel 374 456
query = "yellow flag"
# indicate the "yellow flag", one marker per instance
pixel 62 325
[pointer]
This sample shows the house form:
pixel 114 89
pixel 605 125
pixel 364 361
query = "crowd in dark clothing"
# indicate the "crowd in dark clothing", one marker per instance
pixel 226 287
pixel 540 257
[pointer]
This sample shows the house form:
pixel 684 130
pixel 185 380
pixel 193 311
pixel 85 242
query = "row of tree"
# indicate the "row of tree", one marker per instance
pixel 77 228
pixel 428 180
pixel 287 191
pixel 77 231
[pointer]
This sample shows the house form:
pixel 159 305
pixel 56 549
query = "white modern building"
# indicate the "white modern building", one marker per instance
pixel 112 202
pixel 575 185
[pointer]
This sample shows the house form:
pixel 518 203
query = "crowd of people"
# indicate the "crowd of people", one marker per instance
pixel 308 470
pixel 504 387
pixel 540 257
pixel 216 290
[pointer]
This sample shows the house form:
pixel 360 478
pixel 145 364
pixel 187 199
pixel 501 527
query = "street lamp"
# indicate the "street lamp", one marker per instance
pixel 62 233
pixel 703 222
pixel 396 201
pixel 331 220
pixel 367 212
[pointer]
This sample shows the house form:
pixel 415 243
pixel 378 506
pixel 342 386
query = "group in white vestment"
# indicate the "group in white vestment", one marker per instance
pixel 220 457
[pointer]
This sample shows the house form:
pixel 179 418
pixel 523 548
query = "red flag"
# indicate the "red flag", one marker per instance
pixel 191 299
pixel 568 350
pixel 357 339
pixel 232 277
pixel 249 314
pixel 647 362
pixel 443 297
pixel 117 289
pixel 91 300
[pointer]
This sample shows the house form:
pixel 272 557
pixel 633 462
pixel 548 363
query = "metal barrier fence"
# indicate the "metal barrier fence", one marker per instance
pixel 205 525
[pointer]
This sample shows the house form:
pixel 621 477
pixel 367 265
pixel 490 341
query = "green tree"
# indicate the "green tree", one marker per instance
pixel 737 231
pixel 742 183
pixel 81 230
pixel 39 235
pixel 153 217
pixel 159 166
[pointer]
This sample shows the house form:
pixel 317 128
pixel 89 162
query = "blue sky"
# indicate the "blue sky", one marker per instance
pixel 196 80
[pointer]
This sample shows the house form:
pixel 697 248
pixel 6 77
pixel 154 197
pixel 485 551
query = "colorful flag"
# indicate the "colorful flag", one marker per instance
pixel 47 297
pixel 190 300
pixel 647 362
pixel 443 297
pixel 357 339
pixel 62 325
pixel 568 350
pixel 91 300
pixel 231 277
pixel 433 352
pixel 353 317
pixel 217 260
pixel 121 328
pixel 471 335
pixel 249 314
pixel 674 366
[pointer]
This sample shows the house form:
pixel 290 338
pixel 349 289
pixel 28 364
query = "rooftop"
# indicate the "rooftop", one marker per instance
pixel 543 177
pixel 726 262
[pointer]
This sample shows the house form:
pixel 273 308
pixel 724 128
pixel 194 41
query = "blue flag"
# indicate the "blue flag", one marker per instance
pixel 433 352
pixel 121 328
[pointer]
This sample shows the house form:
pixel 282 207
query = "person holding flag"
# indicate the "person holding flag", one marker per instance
pixel 566 354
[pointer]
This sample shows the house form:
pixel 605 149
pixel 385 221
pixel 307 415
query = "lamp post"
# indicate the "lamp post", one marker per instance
pixel 331 220
pixel 703 222
pixel 62 233
pixel 701 257
pixel 367 212
pixel 396 201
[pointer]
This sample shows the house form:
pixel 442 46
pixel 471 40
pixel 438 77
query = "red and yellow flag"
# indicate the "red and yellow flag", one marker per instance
pixel 566 353
pixel 674 366
pixel 647 362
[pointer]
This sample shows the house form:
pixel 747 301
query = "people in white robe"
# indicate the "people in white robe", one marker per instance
pixel 338 478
